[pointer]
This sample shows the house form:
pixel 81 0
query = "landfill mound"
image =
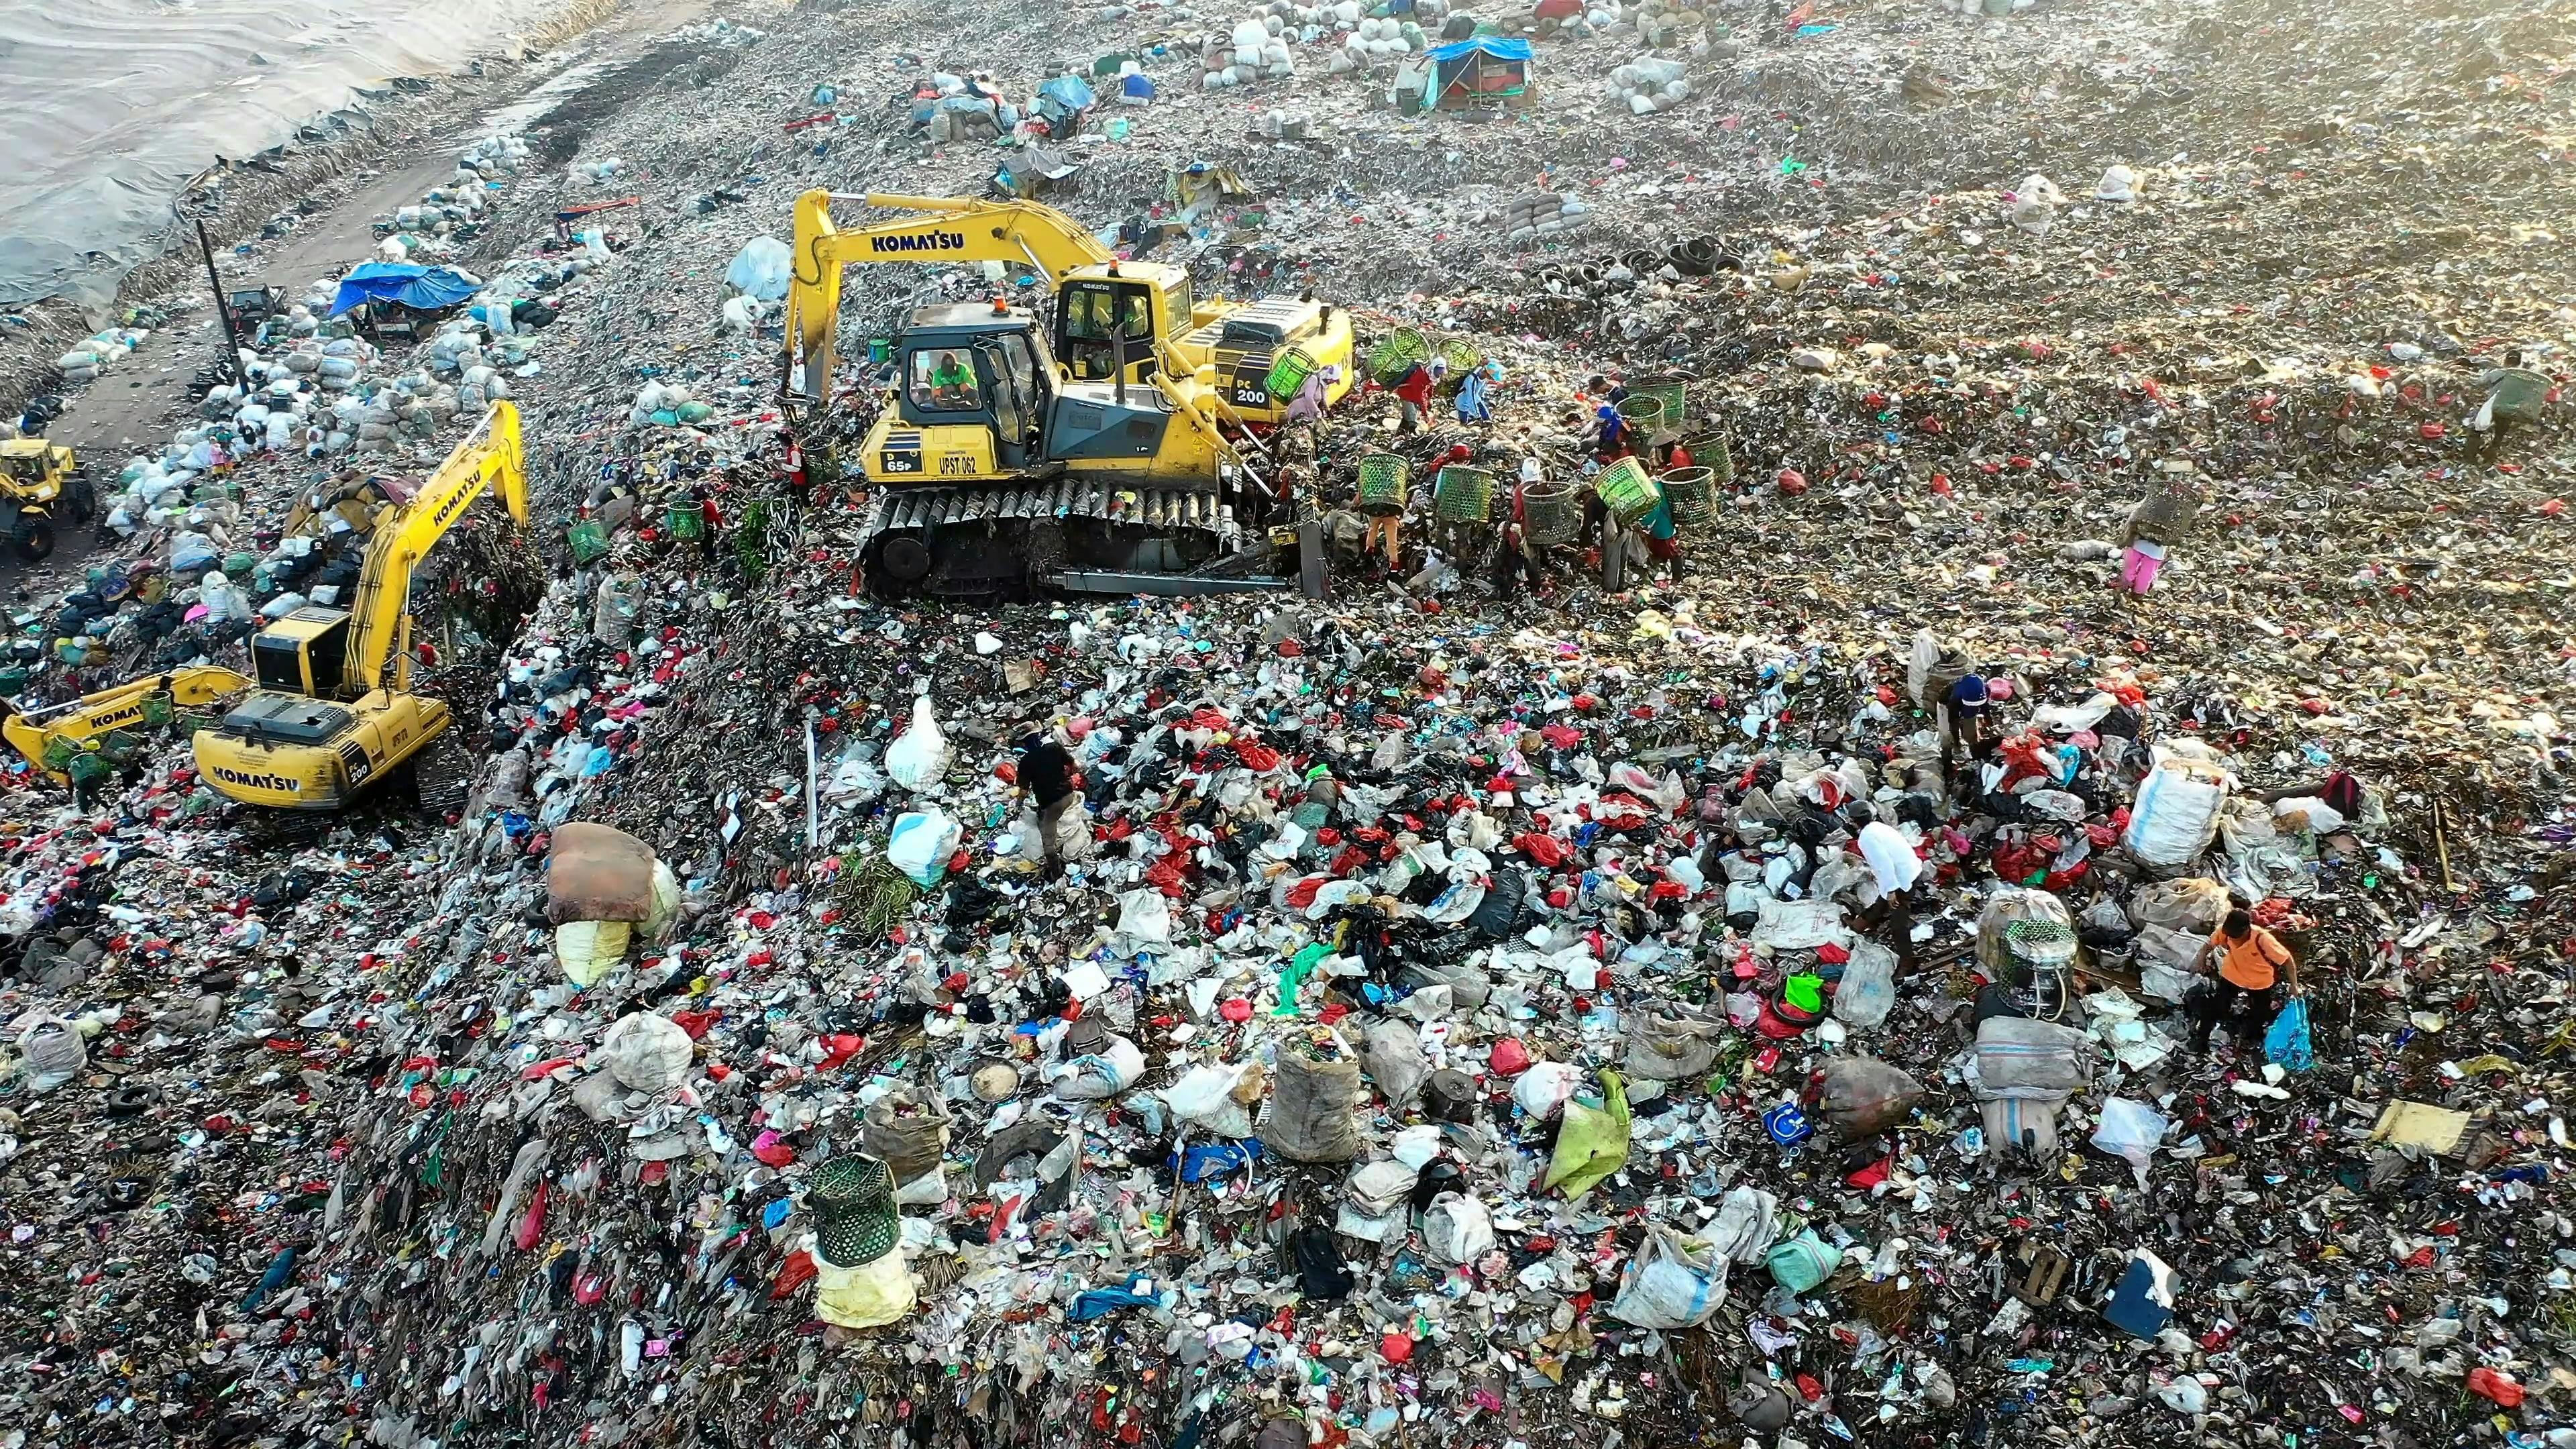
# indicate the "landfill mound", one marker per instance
pixel 2033 912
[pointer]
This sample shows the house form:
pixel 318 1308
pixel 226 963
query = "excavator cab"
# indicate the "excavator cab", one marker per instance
pixel 303 653
pixel 1097 305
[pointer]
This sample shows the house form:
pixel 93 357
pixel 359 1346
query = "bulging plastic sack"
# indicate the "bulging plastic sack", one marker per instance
pixel 1803 1262
pixel 760 269
pixel 1863 1096
pixel 920 844
pixel 920 756
pixel 2118 183
pixel 1314 1113
pixel 2026 1124
pixel 1670 1283
pixel 1457 1229
pixel 2176 815
pixel 2019 1057
pixel 647 1052
pixel 1868 990
pixel 53 1051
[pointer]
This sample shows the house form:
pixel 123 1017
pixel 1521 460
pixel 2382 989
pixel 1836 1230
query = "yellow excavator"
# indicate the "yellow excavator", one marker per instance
pixel 71 742
pixel 1001 468
pixel 1097 298
pixel 321 724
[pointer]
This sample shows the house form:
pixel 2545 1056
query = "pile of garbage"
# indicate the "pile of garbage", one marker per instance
pixel 1799 999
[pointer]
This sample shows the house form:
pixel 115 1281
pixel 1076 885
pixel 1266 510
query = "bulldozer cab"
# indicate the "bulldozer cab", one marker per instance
pixel 1096 305
pixel 970 368
pixel 304 653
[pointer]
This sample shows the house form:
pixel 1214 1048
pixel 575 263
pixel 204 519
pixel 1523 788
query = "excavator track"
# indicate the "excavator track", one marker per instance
pixel 981 540
pixel 439 776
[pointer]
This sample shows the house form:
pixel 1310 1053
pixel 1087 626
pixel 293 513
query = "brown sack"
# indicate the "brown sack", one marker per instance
pixel 597 873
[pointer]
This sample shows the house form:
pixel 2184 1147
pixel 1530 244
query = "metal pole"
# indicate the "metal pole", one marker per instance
pixel 223 309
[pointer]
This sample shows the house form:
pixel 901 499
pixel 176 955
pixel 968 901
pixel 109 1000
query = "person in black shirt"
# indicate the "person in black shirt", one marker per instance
pixel 1052 783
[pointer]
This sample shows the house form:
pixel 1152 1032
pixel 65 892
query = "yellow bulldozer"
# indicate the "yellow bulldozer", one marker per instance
pixel 321 723
pixel 1097 451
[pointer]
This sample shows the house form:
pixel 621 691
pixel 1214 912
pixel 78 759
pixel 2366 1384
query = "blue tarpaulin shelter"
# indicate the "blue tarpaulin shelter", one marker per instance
pixel 1484 70
pixel 423 289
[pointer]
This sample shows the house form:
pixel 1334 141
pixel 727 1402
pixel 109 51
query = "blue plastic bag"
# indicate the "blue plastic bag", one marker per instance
pixel 2290 1042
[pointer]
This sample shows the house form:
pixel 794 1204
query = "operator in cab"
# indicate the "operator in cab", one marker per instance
pixel 952 382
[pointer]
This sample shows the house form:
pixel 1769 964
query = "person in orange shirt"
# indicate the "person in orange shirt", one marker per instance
pixel 2253 966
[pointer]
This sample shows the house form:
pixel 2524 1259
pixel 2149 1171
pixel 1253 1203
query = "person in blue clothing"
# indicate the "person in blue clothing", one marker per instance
pixel 1475 400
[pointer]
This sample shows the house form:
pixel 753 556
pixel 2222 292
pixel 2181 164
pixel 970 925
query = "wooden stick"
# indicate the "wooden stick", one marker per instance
pixel 2442 846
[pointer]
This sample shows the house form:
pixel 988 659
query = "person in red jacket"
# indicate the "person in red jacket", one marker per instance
pixel 1413 394
pixel 710 519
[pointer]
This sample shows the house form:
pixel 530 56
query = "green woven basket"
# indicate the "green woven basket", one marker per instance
pixel 1463 494
pixel 1385 478
pixel 852 1200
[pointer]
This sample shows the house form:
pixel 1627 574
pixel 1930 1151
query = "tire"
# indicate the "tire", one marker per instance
pixel 35 540
pixel 84 501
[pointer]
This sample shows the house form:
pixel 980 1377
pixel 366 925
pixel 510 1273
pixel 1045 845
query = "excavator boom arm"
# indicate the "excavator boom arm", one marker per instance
pixel 95 716
pixel 949 230
pixel 492 455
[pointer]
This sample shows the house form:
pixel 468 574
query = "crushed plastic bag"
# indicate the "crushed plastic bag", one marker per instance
pixel 2291 1039
pixel 1097 1075
pixel 1456 1228
pixel 1210 1097
pixel 2130 1131
pixel 1669 1284
pixel 1666 1044
pixel 1592 1143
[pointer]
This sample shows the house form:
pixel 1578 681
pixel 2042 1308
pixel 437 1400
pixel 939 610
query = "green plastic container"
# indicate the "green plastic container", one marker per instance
pixel 589 541
pixel 1288 372
pixel 1385 478
pixel 686 519
pixel 1644 415
pixel 1630 493
pixel 1463 494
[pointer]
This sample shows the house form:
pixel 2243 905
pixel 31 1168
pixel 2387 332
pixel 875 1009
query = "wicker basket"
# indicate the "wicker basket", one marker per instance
pixel 1384 479
pixel 1672 393
pixel 1463 494
pixel 1395 355
pixel 1552 514
pixel 1691 491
